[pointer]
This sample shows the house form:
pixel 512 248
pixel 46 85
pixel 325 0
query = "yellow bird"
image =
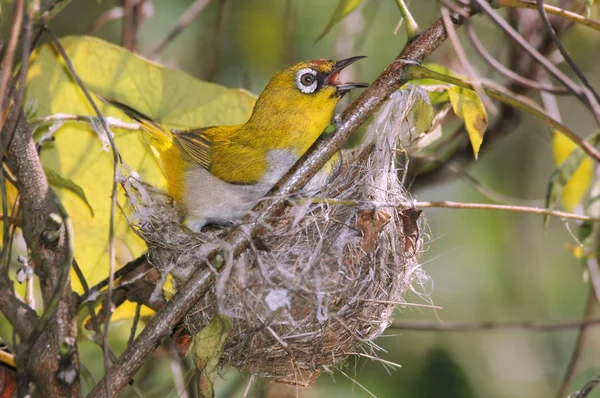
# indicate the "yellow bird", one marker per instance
pixel 217 174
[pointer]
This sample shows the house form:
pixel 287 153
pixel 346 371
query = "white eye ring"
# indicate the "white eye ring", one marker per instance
pixel 302 84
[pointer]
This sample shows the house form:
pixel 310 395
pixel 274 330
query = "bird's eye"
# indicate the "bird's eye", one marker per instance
pixel 307 79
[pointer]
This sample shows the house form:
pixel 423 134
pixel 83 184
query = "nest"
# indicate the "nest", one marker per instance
pixel 323 282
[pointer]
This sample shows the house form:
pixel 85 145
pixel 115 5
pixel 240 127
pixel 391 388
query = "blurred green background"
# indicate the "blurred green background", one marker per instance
pixel 484 266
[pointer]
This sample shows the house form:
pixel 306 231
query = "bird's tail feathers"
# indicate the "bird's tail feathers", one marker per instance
pixel 152 127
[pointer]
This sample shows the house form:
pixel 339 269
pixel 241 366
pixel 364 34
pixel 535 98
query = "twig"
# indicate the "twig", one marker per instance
pixel 4 258
pixel 22 73
pixel 136 320
pixel 184 20
pixel 129 24
pixel 516 209
pixel 559 12
pixel 213 59
pixel 583 331
pixel 592 264
pixel 462 155
pixel 252 224
pixel 124 270
pixel 289 25
pixel 11 220
pixel 464 61
pixel 491 325
pixel 176 369
pixel 494 63
pixel 98 338
pixel 589 386
pixel 7 62
pixel 551 68
pixel 113 205
pixel 564 53
pixel 412 28
pixel 110 121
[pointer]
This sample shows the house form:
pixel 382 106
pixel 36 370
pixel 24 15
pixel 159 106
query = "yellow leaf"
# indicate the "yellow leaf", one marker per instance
pixel 78 155
pixel 207 348
pixel 578 185
pixel 467 106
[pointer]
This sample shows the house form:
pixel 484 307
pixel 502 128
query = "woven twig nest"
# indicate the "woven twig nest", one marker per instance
pixel 324 281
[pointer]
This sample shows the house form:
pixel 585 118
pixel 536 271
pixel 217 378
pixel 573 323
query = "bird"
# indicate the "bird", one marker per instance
pixel 217 174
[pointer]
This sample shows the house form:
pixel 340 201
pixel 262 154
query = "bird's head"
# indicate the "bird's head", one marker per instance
pixel 308 90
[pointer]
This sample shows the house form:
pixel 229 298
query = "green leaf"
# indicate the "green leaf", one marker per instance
pixel 468 106
pixel 58 182
pixel 344 8
pixel 207 348
pixel 564 173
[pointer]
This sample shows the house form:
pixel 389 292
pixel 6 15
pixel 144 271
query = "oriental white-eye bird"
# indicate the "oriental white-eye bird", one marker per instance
pixel 217 174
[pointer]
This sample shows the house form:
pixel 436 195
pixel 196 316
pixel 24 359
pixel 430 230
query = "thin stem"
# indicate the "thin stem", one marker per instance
pixel 98 338
pixel 412 28
pixel 564 53
pixel 4 258
pixel 491 325
pixel 583 331
pixel 546 64
pixel 113 205
pixel 7 62
pixel 494 63
pixel 124 270
pixel 289 25
pixel 515 209
pixel 62 117
pixel 559 12
pixel 589 386
pixel 464 61
pixel 184 20
pixel 213 59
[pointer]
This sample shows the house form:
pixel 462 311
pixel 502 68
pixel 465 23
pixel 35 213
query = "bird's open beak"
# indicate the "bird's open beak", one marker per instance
pixel 334 77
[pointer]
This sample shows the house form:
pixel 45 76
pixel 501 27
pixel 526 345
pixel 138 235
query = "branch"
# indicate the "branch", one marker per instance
pixel 506 122
pixel 515 209
pixel 559 12
pixel 7 61
pixel 51 250
pixel 589 101
pixel 184 20
pixel 238 238
pixel 583 333
pixel 565 54
pixel 589 386
pixel 491 325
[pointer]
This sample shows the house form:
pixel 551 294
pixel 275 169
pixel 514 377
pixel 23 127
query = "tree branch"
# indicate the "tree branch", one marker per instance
pixel 491 325
pixel 51 250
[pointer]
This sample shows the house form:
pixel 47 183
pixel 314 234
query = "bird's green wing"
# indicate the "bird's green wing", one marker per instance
pixel 197 144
